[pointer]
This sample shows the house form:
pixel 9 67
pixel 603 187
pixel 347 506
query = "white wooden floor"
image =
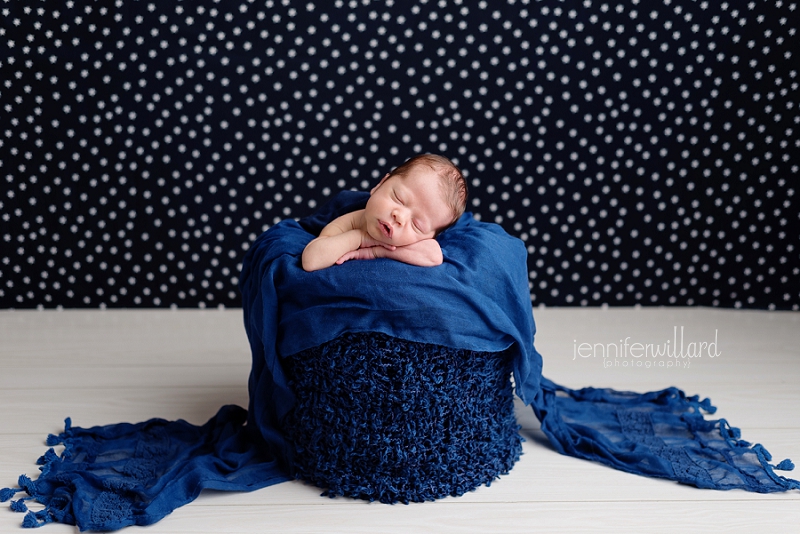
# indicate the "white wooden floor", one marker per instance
pixel 103 367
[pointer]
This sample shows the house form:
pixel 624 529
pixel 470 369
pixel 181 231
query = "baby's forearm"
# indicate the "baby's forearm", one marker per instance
pixel 323 251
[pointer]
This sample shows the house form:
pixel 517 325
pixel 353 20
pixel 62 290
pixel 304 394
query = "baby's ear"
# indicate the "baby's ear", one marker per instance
pixel 385 177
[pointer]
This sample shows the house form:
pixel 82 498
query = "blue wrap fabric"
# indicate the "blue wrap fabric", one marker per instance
pixel 478 300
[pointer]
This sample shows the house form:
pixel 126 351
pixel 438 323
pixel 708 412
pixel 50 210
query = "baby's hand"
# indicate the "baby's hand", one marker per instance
pixel 369 250
pixel 425 253
pixel 367 241
pixel 369 253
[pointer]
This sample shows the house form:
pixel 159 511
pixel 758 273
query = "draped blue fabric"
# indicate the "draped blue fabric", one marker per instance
pixel 117 475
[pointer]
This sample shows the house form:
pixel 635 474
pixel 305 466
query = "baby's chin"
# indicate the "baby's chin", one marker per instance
pixel 379 237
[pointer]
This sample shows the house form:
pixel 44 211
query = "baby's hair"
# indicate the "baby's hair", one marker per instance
pixel 452 182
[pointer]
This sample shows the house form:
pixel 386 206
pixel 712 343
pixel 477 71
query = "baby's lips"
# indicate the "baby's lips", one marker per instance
pixel 386 229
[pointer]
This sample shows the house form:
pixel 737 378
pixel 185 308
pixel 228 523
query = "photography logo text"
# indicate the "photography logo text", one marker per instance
pixel 678 352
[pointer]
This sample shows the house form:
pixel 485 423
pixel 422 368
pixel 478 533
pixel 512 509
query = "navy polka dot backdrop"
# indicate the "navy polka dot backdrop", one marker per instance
pixel 646 152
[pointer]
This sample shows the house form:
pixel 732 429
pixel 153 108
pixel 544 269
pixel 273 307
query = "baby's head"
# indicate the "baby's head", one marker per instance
pixel 452 185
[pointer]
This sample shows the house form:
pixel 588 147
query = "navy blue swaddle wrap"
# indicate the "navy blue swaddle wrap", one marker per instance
pixel 478 300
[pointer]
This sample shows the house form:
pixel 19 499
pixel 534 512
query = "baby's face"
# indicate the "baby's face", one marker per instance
pixel 403 210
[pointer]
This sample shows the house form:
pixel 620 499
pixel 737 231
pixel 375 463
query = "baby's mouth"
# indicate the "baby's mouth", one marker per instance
pixel 387 230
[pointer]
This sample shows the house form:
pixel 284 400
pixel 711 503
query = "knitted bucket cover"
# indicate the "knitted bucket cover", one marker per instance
pixel 389 420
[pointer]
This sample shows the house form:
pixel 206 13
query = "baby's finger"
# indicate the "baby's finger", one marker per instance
pixel 344 258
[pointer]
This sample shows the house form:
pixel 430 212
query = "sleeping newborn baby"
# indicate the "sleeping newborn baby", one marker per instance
pixel 405 212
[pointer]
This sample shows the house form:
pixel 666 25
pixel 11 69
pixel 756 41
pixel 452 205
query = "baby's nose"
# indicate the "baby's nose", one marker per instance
pixel 400 216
